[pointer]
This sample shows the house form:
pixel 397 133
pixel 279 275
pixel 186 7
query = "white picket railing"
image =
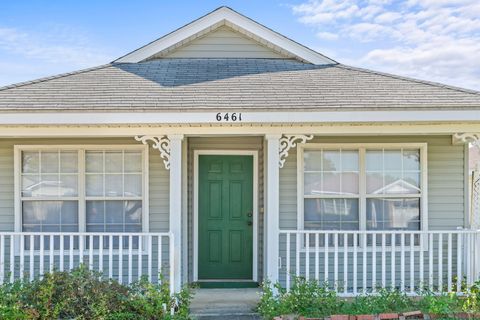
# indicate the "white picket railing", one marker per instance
pixel 122 256
pixel 354 262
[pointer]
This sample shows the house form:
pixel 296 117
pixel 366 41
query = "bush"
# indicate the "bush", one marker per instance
pixel 311 299
pixel 85 294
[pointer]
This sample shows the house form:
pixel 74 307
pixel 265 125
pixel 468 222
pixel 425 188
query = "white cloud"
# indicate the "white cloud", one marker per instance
pixel 327 35
pixel 431 39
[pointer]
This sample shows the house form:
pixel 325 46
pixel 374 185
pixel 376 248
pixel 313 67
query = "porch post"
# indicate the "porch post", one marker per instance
pixel 272 205
pixel 176 205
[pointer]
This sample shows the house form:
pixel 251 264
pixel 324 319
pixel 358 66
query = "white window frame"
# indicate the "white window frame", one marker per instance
pixel 362 147
pixel 18 149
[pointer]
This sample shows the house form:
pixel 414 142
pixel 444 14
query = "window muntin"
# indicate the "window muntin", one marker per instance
pixel 382 191
pixel 56 192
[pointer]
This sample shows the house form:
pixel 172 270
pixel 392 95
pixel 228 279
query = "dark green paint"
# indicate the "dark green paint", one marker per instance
pixel 225 221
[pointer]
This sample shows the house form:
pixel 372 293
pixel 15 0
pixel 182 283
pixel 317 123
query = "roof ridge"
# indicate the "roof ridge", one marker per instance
pixel 57 76
pixel 430 83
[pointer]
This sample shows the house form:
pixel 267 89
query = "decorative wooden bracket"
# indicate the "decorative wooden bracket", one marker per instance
pixel 160 143
pixel 288 141
pixel 466 137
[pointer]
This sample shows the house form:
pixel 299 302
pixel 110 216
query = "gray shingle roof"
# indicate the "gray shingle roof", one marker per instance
pixel 202 84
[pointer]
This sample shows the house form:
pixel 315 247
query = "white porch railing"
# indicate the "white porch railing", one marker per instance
pixel 122 256
pixel 352 262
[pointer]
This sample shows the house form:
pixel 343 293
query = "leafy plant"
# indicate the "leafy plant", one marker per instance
pixel 85 294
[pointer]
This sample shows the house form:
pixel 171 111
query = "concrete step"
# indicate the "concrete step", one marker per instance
pixel 225 304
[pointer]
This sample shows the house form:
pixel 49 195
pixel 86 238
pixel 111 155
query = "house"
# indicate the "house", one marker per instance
pixel 225 153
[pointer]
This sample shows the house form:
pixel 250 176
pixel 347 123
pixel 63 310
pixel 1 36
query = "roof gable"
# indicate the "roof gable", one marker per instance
pixel 224 42
pixel 225 16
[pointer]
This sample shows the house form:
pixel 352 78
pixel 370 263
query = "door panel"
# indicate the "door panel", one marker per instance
pixel 225 222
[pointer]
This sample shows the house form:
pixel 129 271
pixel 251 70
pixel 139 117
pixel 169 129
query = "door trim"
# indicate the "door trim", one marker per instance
pixel 196 154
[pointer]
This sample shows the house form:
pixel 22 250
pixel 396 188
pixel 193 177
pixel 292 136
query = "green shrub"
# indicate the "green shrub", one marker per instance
pixel 85 294
pixel 305 298
pixel 311 299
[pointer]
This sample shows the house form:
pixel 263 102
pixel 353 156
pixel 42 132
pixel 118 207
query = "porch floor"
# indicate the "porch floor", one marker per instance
pixel 220 303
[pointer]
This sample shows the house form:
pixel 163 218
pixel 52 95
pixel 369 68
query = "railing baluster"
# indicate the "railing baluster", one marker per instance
pixel 61 252
pixel 412 263
pixel 120 258
pixel 393 261
pixel 110 256
pixel 70 258
pixel 335 262
pixel 325 271
pixel 355 285
pixel 468 259
pixel 402 262
pixel 80 250
pixel 422 261
pixel 100 253
pixel 90 252
pixel 42 256
pixel 297 254
pixel 384 261
pixel 12 258
pixel 345 263
pixel 159 257
pixel 140 256
pixel 430 261
pixel 22 256
pixel 307 256
pixel 440 262
pixel 31 259
pixel 51 257
pixel 374 261
pixel 317 259
pixel 2 258
pixel 149 246
pixel 287 275
pixel 364 263
pixel 449 264
pixel 130 259
pixel 459 262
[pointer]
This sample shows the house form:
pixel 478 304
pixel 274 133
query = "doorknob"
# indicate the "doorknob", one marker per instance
pixel 249 223
pixel 249 214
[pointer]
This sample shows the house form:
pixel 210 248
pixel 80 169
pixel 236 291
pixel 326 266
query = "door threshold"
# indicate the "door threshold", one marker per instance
pixel 226 283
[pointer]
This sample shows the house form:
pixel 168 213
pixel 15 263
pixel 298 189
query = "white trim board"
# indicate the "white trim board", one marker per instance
pixel 196 154
pixel 220 16
pixel 248 117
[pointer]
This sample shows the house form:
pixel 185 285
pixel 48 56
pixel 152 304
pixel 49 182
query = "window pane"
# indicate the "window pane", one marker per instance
pixel 68 162
pixel 94 184
pixel 312 160
pixel 393 214
pixel 50 215
pixel 30 162
pixel 114 216
pixel 113 185
pixel 411 160
pixel 95 212
pixel 50 162
pixel 133 161
pixel 331 214
pixel 133 185
pixel 113 162
pixel 338 175
pixel 94 161
pixel 393 171
pixel 68 185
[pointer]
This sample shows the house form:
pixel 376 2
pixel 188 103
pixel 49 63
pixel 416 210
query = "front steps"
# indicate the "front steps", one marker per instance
pixel 235 304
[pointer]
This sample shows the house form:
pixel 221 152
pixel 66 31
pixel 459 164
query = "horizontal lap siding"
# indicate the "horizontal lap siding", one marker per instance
pixel 446 192
pixel 158 180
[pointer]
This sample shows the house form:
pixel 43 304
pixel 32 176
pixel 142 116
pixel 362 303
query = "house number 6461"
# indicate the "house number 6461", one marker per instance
pixel 234 116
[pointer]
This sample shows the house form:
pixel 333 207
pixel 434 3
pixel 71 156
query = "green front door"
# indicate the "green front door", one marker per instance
pixel 225 217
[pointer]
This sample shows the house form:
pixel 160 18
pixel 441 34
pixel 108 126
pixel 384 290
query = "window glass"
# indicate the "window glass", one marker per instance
pixel 393 214
pixel 331 214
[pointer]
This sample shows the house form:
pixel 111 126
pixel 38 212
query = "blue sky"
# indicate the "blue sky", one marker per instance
pixel 436 40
